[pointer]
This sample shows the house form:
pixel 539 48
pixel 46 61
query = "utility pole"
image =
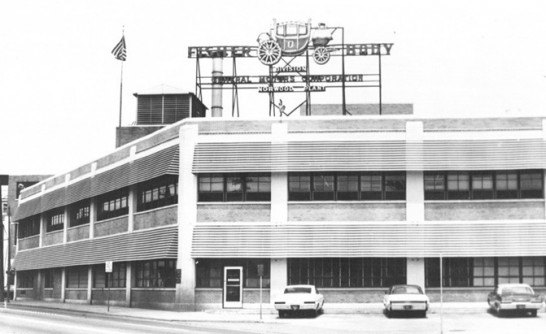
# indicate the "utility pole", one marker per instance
pixel 2 271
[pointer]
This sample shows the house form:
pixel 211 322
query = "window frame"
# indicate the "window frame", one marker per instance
pixel 156 193
pixel 149 275
pixel 208 189
pixel 55 220
pixel 111 199
pixel 83 207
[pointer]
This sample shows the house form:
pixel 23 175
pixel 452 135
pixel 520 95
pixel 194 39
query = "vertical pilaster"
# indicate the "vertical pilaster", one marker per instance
pixel 128 283
pixel 42 229
pixel 92 217
pixel 15 284
pixel 415 204
pixel 39 285
pixel 187 218
pixel 132 206
pixel 544 181
pixel 65 224
pixel 90 285
pixel 63 285
pixel 279 278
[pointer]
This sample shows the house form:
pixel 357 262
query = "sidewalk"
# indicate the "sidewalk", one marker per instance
pixel 221 315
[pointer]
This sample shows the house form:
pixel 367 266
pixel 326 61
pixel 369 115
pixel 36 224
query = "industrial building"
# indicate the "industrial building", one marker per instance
pixel 353 204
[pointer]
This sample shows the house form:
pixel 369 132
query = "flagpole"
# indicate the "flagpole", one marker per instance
pixel 120 94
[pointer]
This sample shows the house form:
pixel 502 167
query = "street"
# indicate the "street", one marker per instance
pixel 23 321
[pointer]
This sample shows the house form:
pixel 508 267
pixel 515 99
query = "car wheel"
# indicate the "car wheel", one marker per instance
pixel 281 314
pixel 388 313
pixel 533 313
pixel 423 314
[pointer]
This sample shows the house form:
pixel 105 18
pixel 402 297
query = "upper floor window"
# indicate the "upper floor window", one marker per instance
pixel 346 186
pixel 79 213
pixel 55 220
pixel 234 187
pixel 29 226
pixel 158 192
pixel 483 185
pixel 113 204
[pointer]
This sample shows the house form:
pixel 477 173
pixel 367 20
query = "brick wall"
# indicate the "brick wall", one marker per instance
pixel 78 233
pixel 347 212
pixel 483 210
pixel 233 212
pixel 113 226
pixel 156 218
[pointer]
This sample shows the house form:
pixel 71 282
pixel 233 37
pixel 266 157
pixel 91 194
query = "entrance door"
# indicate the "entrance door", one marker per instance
pixel 233 287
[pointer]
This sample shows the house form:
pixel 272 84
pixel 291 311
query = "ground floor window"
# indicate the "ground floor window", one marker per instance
pixel 116 279
pixel 485 272
pixel 77 277
pixel 25 279
pixel 210 272
pixel 49 278
pixel 347 272
pixel 155 274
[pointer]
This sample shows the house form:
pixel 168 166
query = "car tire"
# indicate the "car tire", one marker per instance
pixel 423 314
pixel 388 313
pixel 282 314
pixel 534 313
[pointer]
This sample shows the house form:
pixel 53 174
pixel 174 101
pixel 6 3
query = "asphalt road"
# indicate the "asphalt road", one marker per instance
pixel 23 321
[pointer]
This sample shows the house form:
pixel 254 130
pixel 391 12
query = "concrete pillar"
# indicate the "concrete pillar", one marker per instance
pixel 15 285
pixel 90 285
pixel 279 180
pixel 39 285
pixel 128 284
pixel 42 229
pixel 92 217
pixel 415 205
pixel 416 271
pixel 132 201
pixel 65 224
pixel 544 183
pixel 279 277
pixel 187 218
pixel 63 285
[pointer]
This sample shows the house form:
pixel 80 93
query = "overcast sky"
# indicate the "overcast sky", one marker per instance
pixel 60 83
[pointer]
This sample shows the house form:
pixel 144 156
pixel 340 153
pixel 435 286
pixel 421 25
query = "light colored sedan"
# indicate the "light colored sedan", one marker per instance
pixel 514 298
pixel 299 298
pixel 406 298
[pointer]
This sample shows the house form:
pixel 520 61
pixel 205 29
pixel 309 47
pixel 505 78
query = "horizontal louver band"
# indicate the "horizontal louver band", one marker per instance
pixel 385 239
pixel 218 157
pixel 161 163
pixel 158 243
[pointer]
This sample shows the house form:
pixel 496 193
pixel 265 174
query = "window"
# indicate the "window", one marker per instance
pixel 346 186
pixel 458 185
pixel 76 277
pixel 49 278
pixel 395 187
pixel 29 227
pixel 158 192
pixel 435 186
pixel 25 279
pixel 347 272
pixel 299 187
pixel 156 274
pixel 79 213
pixel 210 272
pixel 371 186
pixel 484 185
pixel 531 184
pixel 323 187
pixel 234 187
pixel 486 272
pixel 506 184
pixel 112 204
pixel 116 279
pixel 55 220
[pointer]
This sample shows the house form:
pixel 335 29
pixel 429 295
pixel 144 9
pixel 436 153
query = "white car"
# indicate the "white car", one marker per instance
pixel 406 298
pixel 514 298
pixel 299 298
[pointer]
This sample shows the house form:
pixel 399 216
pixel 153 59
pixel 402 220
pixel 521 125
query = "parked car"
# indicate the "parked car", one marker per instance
pixel 406 298
pixel 515 298
pixel 299 298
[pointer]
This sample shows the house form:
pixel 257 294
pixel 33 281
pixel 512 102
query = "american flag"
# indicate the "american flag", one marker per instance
pixel 120 51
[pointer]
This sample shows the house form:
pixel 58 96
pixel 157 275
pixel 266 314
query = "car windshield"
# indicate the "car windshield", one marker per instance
pixel 517 290
pixel 406 290
pixel 297 290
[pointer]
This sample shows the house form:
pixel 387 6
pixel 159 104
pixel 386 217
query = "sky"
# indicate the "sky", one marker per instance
pixel 60 85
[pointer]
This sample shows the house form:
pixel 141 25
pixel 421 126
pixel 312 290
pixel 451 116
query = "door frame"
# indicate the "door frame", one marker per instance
pixel 232 304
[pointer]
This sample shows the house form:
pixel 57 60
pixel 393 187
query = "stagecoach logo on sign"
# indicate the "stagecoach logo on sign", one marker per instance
pixel 292 39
